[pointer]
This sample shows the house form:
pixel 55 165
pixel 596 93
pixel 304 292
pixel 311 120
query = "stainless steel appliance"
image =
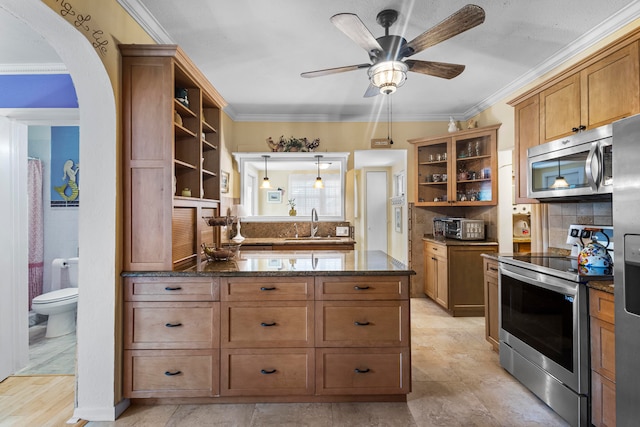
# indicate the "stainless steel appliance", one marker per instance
pixel 544 329
pixel 584 160
pixel 626 220
pixel 459 228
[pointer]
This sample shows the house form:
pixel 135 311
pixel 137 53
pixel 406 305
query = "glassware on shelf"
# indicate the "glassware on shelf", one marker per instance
pixel 477 148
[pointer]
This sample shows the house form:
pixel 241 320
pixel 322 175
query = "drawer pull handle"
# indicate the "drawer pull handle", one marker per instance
pixel 361 288
pixel 172 325
pixel 493 269
pixel 171 374
pixel 170 288
pixel 270 288
pixel 361 371
pixel 361 323
pixel 267 372
pixel 268 324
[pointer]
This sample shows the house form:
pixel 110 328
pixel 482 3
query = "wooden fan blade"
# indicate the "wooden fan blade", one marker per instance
pixel 371 91
pixel 464 19
pixel 336 70
pixel 353 27
pixel 436 69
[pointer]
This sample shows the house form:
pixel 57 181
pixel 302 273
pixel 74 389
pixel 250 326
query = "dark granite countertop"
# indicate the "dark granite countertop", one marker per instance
pixel 602 285
pixel 267 241
pixel 293 263
pixel 455 242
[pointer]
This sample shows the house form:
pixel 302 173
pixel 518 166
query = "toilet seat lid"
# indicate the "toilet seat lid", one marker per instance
pixel 55 296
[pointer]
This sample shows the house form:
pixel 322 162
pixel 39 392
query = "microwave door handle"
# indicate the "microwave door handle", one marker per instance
pixel 592 167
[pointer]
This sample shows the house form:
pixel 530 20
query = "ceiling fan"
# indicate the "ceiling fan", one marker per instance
pixel 388 70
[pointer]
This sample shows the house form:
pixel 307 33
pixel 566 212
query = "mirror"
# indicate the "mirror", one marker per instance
pixel 292 177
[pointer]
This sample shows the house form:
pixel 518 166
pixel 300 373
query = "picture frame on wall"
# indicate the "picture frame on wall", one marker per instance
pixel 224 182
pixel 274 197
pixel 398 219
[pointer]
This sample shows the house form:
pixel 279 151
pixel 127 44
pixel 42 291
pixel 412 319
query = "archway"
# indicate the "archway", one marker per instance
pixel 98 217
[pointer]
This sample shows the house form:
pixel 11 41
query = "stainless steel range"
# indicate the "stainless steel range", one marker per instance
pixel 544 329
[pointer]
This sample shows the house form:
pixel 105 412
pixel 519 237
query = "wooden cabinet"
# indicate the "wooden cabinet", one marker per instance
pixel 169 146
pixel 454 276
pixel 491 303
pixel 171 337
pixel 289 339
pixel 601 93
pixel 527 124
pixel 436 273
pixel 603 358
pixel 457 169
pixel 599 90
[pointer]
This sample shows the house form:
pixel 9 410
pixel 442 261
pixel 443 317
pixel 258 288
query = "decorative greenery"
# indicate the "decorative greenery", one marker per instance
pixel 292 203
pixel 293 144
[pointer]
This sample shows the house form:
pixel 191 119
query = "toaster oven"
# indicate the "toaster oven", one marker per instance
pixel 459 228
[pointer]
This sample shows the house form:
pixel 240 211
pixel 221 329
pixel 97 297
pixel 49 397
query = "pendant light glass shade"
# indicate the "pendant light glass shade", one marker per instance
pixel 318 183
pixel 388 75
pixel 265 181
pixel 560 182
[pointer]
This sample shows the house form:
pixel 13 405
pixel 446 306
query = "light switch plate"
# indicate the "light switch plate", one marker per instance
pixel 342 231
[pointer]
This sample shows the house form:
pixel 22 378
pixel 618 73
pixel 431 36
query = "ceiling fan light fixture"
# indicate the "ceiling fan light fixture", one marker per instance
pixel 388 75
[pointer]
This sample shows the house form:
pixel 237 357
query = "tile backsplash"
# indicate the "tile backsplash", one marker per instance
pixel 562 215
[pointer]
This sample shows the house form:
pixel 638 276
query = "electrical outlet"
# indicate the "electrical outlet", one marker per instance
pixel 342 231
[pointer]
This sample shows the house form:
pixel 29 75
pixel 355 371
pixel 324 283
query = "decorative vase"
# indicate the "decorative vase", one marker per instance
pixel 293 212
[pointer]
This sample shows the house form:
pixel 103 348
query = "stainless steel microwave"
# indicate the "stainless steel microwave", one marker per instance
pixel 575 167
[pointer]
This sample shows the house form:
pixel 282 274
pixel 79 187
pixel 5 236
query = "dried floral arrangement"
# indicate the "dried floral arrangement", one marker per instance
pixel 293 144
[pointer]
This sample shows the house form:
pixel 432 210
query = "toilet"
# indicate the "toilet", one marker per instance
pixel 61 303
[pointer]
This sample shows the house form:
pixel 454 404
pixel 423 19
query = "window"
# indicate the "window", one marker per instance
pixel 327 200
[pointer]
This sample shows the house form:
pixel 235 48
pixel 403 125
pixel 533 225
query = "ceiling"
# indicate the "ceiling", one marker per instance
pixel 254 51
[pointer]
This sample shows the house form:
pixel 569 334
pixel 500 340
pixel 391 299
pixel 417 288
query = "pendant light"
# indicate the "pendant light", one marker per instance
pixel 560 182
pixel 265 181
pixel 318 183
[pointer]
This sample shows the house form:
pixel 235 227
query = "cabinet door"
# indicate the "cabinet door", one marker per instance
pixel 610 88
pixel 560 109
pixel 466 279
pixel 432 171
pixel 527 122
pixel 603 348
pixel 491 302
pixel 473 180
pixel 442 281
pixel 603 406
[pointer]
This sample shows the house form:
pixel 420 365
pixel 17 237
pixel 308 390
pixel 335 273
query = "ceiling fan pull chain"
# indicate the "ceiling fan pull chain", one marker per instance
pixel 389 119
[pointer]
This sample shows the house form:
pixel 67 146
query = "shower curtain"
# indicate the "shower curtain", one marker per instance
pixel 36 228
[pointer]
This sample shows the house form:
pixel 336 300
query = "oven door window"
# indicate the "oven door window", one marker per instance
pixel 570 166
pixel 541 318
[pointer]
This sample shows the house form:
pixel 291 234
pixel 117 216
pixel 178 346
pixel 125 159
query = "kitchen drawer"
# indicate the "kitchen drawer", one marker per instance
pixel 603 396
pixel 267 324
pixel 363 371
pixel 601 305
pixel 171 325
pixel 490 268
pixel 435 249
pixel 267 372
pixel 362 323
pixel 171 373
pixel 171 289
pixel 362 287
pixel 267 288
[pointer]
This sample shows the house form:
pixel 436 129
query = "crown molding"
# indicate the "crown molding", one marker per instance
pixel 53 68
pixel 43 116
pixel 146 20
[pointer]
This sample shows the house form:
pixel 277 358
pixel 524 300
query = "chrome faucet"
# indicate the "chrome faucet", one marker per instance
pixel 314 222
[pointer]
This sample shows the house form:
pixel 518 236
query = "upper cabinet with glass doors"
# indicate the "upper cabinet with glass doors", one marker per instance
pixel 458 169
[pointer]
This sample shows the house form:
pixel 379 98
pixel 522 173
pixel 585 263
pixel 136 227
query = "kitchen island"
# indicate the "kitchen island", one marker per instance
pixel 270 326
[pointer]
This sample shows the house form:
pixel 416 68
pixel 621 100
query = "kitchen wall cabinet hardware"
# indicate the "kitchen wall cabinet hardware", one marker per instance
pixel 164 155
pixel 598 90
pixel 458 169
pixel 491 303
pixel 454 276
pixel 603 358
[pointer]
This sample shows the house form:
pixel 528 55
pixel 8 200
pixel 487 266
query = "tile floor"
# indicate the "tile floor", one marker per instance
pixel 457 381
pixel 50 356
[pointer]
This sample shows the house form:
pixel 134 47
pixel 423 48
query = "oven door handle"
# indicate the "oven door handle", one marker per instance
pixel 542 280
